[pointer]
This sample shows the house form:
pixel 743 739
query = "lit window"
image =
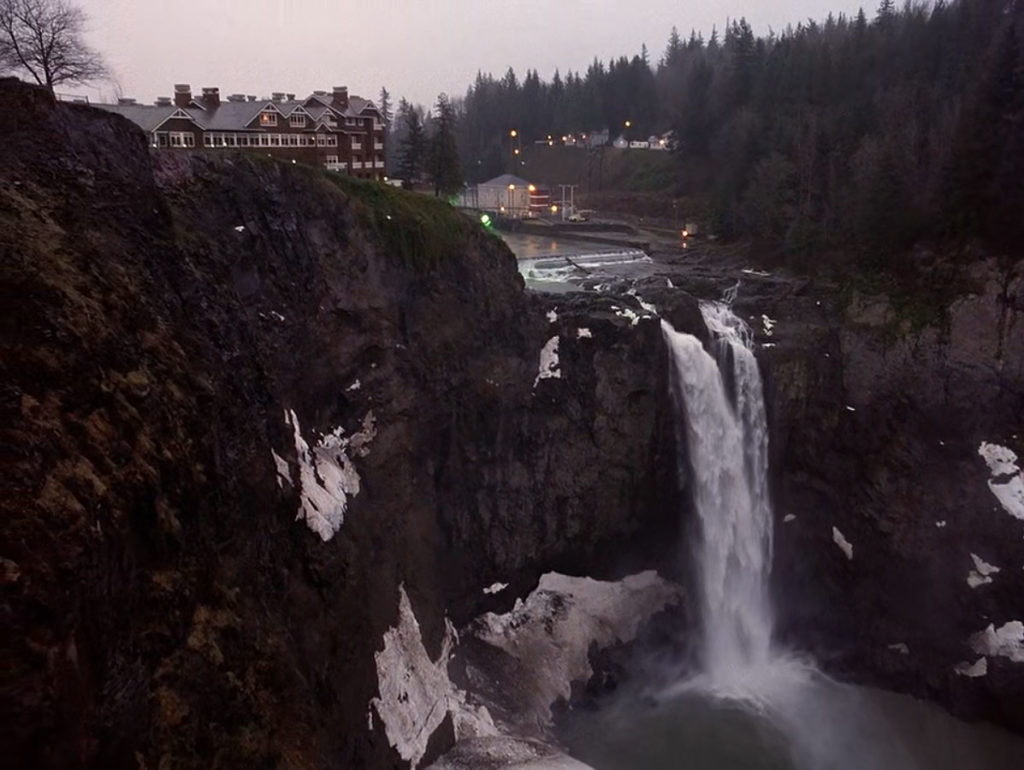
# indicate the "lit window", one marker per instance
pixel 268 118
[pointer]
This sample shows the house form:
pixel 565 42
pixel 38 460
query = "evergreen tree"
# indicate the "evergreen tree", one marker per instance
pixel 385 106
pixel 855 134
pixel 411 159
pixel 444 166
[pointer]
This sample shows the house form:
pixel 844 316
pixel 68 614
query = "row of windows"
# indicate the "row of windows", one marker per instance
pixel 221 139
pixel 181 139
pixel 214 139
pixel 269 118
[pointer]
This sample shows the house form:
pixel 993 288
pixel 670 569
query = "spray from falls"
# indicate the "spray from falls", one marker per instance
pixel 723 424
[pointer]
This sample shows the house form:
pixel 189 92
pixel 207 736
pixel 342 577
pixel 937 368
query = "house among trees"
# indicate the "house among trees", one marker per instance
pixel 329 129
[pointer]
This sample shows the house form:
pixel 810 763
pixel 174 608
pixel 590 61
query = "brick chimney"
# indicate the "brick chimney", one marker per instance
pixel 163 101
pixel 182 94
pixel 340 98
pixel 211 98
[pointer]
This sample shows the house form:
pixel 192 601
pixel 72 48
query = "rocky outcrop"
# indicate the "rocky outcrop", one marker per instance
pixel 894 416
pixel 246 410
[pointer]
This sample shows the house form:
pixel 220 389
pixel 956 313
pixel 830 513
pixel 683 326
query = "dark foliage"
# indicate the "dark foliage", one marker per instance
pixel 853 134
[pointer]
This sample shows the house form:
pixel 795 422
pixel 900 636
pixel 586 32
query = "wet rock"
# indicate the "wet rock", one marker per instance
pixel 153 356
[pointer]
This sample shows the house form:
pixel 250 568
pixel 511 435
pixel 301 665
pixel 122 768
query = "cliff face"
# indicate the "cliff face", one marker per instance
pixel 241 407
pixel 900 540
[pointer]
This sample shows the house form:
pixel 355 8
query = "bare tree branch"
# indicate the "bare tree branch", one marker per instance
pixel 43 39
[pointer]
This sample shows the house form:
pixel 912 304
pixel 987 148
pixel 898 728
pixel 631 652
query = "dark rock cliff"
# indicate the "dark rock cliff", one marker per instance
pixel 880 403
pixel 187 342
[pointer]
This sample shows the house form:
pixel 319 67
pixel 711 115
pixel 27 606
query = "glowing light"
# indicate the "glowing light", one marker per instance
pixel 511 187
pixel 516 151
pixel 513 133
pixel 532 188
pixel 554 208
pixel 485 220
pixel 629 123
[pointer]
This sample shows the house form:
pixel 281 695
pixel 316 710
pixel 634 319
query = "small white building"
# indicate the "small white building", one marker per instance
pixel 506 194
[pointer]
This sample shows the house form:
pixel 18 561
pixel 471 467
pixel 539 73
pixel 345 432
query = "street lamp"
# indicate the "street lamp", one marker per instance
pixel 513 133
pixel 629 123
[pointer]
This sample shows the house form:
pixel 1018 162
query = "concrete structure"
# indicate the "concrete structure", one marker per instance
pixel 328 129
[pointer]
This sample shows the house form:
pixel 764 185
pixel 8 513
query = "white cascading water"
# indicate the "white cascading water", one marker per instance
pixel 727 439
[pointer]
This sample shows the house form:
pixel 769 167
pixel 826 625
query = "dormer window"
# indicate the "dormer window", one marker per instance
pixel 268 118
pixel 297 121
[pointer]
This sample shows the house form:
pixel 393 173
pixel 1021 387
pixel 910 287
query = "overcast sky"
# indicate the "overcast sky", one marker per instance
pixel 416 48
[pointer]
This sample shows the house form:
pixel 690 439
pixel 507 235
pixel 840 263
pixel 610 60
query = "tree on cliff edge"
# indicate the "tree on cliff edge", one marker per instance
pixel 43 39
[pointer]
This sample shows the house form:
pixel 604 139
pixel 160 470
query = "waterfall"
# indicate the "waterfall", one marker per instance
pixel 722 420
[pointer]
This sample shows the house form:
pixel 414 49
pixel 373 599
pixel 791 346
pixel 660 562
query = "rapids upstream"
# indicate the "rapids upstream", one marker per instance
pixel 750 706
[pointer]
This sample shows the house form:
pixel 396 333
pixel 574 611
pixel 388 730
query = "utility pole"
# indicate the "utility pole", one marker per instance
pixel 571 200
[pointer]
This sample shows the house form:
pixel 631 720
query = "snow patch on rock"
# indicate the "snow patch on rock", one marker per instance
pixel 495 588
pixel 548 366
pixel 284 472
pixel 1001 460
pixel 416 693
pixel 982 572
pixel 327 476
pixel 552 316
pixel 583 333
pixel 645 305
pixel 1007 479
pixel 551 633
pixel 767 325
pixel 788 518
pixel 1007 641
pixel 354 386
pixel 628 313
pixel 842 542
pixel 900 647
pixel 972 670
